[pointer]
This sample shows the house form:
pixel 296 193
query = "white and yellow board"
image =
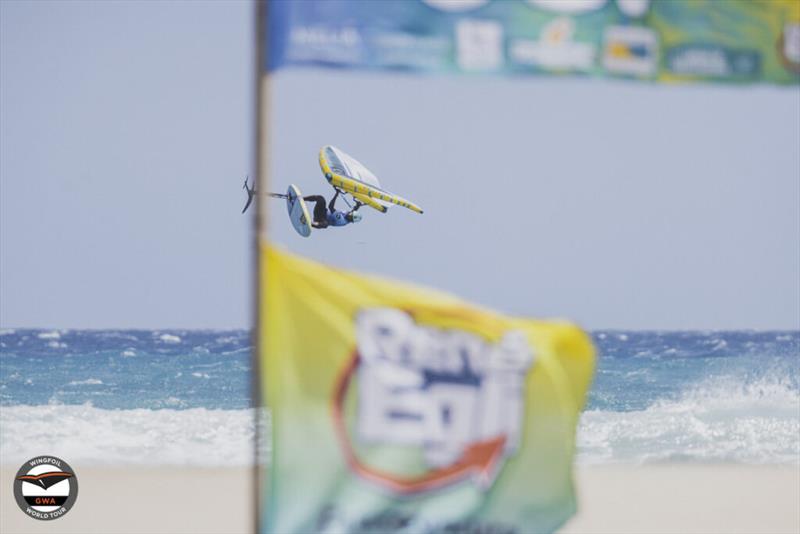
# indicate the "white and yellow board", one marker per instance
pixel 298 211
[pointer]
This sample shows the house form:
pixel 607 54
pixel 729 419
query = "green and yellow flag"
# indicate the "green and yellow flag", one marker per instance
pixel 397 408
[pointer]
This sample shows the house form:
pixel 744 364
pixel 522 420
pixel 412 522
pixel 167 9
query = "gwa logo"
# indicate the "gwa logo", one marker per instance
pixel 452 394
pixel 45 487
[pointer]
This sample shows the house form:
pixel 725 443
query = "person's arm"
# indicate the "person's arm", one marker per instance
pixel 332 204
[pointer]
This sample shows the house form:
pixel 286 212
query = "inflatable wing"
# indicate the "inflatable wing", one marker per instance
pixel 346 173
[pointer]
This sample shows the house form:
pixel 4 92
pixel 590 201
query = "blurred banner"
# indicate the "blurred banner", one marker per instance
pixel 398 408
pixel 675 40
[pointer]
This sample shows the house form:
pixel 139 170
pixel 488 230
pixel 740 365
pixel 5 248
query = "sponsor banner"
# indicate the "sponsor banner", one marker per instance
pixel 402 409
pixel 676 40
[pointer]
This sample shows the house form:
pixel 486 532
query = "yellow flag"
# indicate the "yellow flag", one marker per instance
pixel 397 408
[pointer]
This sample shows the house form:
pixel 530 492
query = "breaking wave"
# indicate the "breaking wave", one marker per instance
pixel 85 434
pixel 716 420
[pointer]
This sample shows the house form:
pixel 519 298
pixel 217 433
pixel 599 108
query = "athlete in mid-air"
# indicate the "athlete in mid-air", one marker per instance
pixel 324 216
pixel 330 216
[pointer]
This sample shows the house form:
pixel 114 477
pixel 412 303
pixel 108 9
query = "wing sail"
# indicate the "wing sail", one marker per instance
pixel 364 199
pixel 346 173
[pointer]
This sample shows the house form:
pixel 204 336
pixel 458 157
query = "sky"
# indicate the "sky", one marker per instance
pixel 125 137
pixel 125 134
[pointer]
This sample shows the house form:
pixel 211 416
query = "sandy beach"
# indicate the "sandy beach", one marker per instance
pixel 144 500
pixel 613 499
pixel 693 498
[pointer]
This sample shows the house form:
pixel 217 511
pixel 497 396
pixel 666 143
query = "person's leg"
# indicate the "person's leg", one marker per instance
pixel 320 212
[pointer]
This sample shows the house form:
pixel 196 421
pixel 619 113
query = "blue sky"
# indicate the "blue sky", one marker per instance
pixel 125 135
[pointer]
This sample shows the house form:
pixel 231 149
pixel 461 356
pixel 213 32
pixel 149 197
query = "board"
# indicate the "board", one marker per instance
pixel 298 211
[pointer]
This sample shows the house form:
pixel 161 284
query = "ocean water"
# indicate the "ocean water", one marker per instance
pixel 183 397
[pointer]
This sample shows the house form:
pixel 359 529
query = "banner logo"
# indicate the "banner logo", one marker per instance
pixel 45 487
pixel 789 47
pixel 713 61
pixel 555 49
pixel 630 50
pixel 479 44
pixel 453 397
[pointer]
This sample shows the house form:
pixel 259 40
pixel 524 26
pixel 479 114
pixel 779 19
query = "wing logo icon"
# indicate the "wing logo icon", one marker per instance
pixel 46 480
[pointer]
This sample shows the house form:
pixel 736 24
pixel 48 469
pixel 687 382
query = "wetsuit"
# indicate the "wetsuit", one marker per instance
pixel 328 216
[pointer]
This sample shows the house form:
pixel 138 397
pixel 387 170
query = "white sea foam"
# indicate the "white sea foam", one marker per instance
pixel 49 335
pixel 87 382
pixel 85 434
pixel 174 402
pixel 719 345
pixel 717 421
pixel 169 338
pixel 129 353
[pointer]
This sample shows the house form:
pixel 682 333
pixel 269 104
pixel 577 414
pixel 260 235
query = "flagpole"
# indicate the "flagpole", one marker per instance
pixel 260 124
